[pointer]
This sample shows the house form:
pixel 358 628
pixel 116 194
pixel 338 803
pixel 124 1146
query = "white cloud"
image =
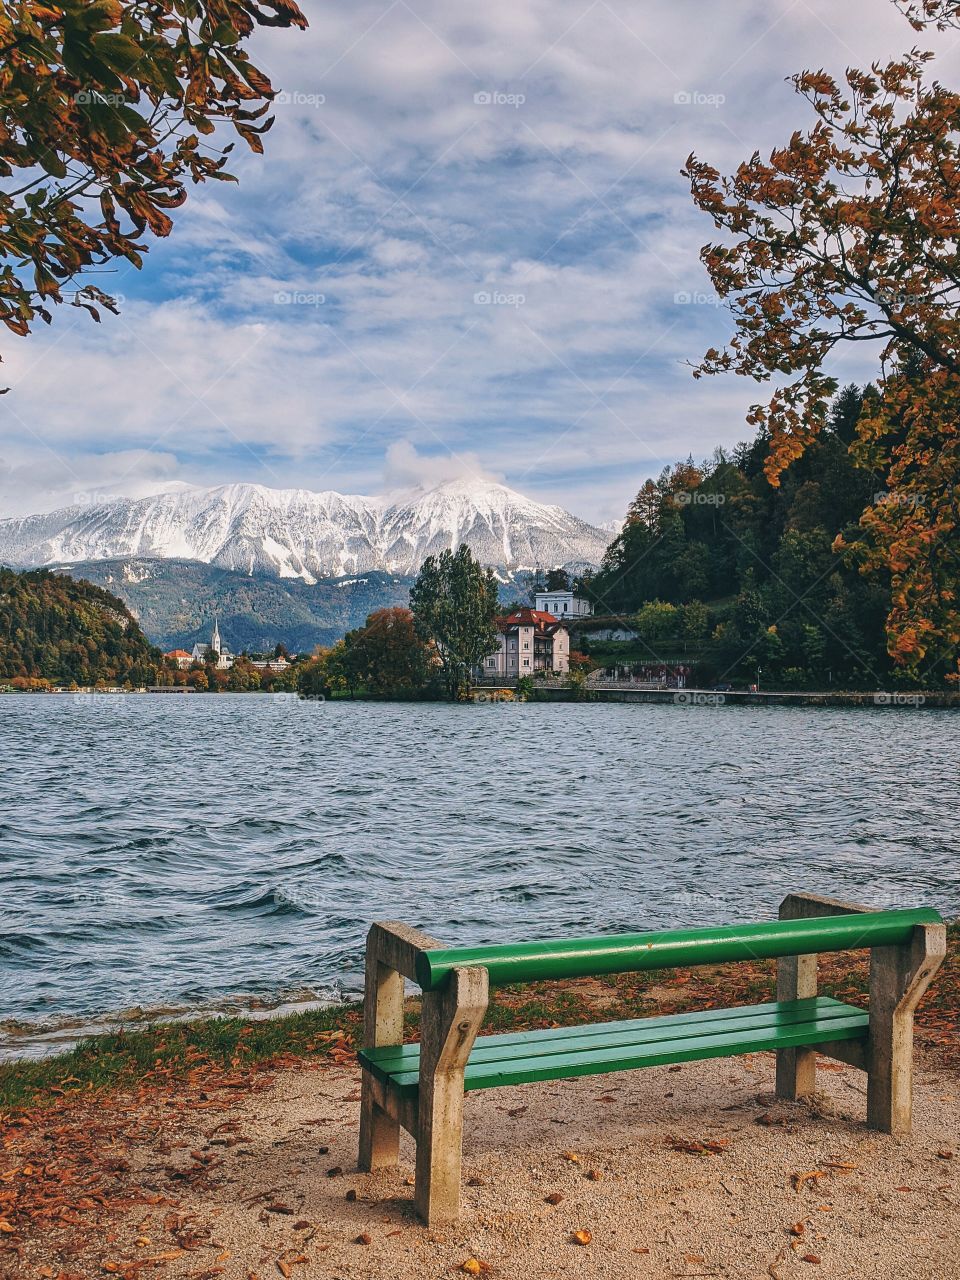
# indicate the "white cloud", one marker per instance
pixel 319 323
pixel 406 468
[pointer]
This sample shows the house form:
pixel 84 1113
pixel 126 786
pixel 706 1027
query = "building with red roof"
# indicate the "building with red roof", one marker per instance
pixel 531 640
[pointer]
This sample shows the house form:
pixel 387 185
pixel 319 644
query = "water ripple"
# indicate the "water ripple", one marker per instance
pixel 191 852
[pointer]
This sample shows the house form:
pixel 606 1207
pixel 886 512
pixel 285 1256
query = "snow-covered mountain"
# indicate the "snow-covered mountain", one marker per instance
pixel 294 533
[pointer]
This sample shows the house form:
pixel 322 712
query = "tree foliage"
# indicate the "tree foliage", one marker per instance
pixel 104 108
pixel 715 565
pixel 65 631
pixel 850 233
pixel 385 658
pixel 454 603
pixel 387 655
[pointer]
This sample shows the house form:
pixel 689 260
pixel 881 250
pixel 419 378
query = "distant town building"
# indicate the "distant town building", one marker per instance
pixel 531 640
pixel 617 631
pixel 563 604
pixel 225 658
pixel 180 658
pixel 270 664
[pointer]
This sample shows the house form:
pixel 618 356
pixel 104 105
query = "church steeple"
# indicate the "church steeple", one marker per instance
pixel 215 644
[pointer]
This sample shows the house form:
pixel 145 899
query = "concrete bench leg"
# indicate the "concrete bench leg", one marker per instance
pixel 796 1068
pixel 449 1022
pixel 797 980
pixel 898 978
pixel 383 1024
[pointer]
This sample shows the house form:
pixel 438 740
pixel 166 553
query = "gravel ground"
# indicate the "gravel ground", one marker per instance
pixel 281 1195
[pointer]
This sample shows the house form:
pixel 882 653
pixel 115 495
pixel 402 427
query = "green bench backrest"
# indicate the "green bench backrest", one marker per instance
pixel 628 952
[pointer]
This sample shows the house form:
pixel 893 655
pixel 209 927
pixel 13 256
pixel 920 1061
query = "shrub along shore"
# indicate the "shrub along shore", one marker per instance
pixel 210 1050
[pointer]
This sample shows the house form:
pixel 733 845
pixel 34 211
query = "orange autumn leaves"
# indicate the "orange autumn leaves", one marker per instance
pixel 848 234
pixel 102 107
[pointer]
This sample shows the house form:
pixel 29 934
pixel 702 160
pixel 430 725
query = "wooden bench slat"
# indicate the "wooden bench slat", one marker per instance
pixel 400 1057
pixel 536 1056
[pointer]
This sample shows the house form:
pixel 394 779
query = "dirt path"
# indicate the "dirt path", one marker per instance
pixel 261 1183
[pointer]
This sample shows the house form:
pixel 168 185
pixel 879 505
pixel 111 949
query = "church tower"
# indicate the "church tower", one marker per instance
pixel 215 645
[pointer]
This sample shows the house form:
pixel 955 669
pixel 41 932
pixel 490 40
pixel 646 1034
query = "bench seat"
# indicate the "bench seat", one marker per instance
pixel 559 1052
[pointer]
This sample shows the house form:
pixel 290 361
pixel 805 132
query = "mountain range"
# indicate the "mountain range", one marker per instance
pixel 294 533
pixel 289 565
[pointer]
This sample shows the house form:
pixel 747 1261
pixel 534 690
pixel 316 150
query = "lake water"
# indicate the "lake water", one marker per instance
pixel 191 852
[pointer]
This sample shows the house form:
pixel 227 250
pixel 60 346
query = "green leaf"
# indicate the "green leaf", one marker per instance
pixel 118 52
pixel 52 163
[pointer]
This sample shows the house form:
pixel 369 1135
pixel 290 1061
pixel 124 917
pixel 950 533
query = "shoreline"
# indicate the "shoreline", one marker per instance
pixel 287 1022
pixel 711 698
pixel 931 700
pixel 259 1039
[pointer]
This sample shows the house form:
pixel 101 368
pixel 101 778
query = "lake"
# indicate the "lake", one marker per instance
pixel 217 852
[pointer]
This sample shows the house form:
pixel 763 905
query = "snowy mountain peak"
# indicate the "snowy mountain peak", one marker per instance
pixel 296 533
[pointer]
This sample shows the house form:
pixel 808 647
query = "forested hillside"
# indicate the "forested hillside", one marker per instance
pixel 718 563
pixel 57 629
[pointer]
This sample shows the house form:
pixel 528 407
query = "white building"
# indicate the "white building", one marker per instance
pixel 530 641
pixel 270 664
pixel 225 658
pixel 563 604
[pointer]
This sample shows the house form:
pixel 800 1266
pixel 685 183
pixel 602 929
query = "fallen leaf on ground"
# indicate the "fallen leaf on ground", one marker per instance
pixel 797 1229
pixel 698 1147
pixel 774 1267
pixel 800 1179
pixel 571 1156
pixel 583 1236
pixel 594 1175
pixel 811 1257
pixel 474 1266
pixel 362 1238
pixel 553 1198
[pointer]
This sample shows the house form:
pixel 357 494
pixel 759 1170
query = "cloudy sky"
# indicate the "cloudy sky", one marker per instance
pixel 468 251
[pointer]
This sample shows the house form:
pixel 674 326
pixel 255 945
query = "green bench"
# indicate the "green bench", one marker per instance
pixel 421 1086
